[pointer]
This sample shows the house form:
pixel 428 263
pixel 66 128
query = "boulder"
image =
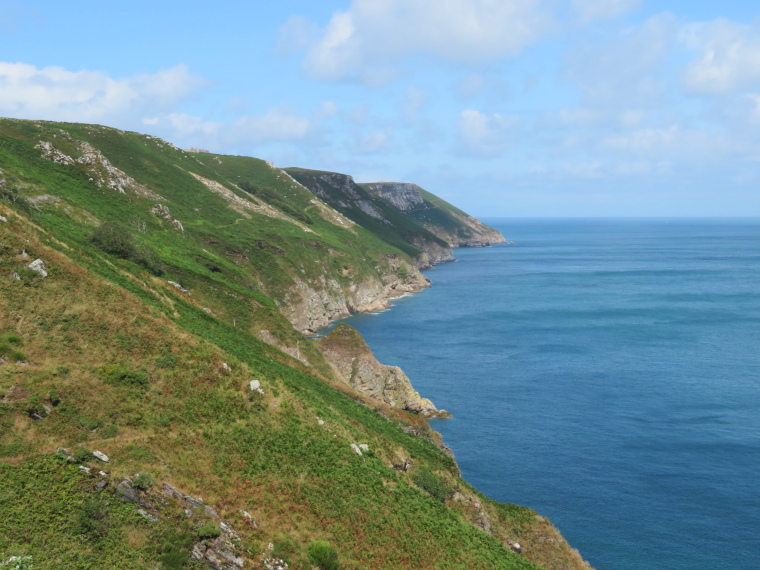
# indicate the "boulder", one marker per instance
pixel 100 455
pixel 38 266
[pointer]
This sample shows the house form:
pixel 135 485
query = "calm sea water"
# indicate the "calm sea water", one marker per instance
pixel 605 373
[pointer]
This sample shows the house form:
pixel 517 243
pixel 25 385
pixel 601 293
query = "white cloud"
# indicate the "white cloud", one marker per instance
pixel 365 41
pixel 279 124
pixel 485 135
pixel 55 93
pixel 729 60
pixel 594 10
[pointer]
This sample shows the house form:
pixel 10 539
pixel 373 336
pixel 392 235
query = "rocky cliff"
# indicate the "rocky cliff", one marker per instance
pixel 314 301
pixel 346 350
pixel 379 216
pixel 455 227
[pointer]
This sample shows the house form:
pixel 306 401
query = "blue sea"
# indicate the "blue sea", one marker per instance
pixel 605 373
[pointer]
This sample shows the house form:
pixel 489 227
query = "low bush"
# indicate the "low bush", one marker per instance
pixel 118 375
pixel 143 481
pixel 119 241
pixel 431 483
pixel 322 555
pixel 208 531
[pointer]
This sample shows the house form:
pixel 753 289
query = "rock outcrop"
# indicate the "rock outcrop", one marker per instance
pixel 311 304
pixel 346 350
pixel 357 203
pixel 400 195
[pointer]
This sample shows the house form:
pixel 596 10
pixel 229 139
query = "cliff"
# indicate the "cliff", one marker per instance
pixel 159 404
pixel 346 350
pixel 447 222
pixel 382 218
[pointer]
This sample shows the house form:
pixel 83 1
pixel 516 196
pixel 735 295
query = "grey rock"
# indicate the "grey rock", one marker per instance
pixel 65 452
pixel 172 492
pixel 15 276
pixel 85 469
pixel 356 449
pixel 100 485
pixel 127 492
pixel 196 503
pixel 254 384
pixel 178 287
pixel 3 219
pixel 400 195
pixel 100 455
pixel 145 514
pixel 39 266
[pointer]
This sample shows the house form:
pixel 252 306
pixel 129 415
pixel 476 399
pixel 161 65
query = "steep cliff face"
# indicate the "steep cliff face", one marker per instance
pixel 400 195
pixel 346 350
pixel 455 227
pixel 384 218
pixel 313 302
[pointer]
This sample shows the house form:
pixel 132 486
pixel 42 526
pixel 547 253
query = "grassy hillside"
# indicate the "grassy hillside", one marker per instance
pixel 176 386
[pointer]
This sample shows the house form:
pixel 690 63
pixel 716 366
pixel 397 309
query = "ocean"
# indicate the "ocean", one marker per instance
pixel 605 373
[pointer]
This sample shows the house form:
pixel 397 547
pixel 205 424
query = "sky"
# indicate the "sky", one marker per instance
pixel 516 108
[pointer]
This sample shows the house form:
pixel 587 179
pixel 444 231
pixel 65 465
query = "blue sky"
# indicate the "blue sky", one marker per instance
pixel 503 107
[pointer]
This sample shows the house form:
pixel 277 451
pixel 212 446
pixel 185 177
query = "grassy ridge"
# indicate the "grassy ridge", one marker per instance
pixel 118 360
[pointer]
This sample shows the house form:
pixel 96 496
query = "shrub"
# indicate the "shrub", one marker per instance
pixel 174 549
pixel 9 344
pixel 114 239
pixel 119 241
pixel 143 481
pixel 167 360
pixel 92 520
pixel 431 483
pixel 82 455
pixel 208 531
pixel 322 555
pixel 34 408
pixel 118 375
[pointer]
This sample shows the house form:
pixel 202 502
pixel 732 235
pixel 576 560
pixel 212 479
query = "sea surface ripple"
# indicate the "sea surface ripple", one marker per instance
pixel 605 373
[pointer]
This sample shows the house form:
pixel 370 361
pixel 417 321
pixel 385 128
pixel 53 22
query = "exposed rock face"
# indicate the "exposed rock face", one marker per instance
pixel 346 195
pixel 435 252
pixel 346 350
pixel 102 172
pixel 463 230
pixel 347 187
pixel 311 305
pixel 400 195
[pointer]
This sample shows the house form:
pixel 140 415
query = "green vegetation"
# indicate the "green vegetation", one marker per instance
pixel 324 556
pixel 119 361
pixel 119 241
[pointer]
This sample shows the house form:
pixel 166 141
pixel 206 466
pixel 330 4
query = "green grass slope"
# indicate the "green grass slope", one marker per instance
pixel 104 354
